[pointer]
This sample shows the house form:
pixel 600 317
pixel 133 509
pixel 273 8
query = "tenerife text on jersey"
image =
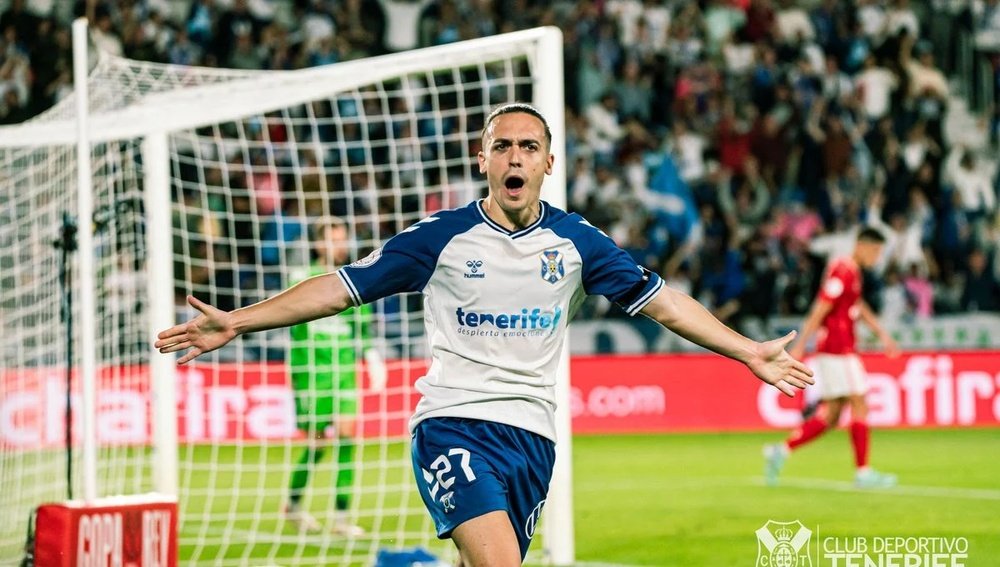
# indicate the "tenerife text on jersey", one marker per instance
pixel 534 319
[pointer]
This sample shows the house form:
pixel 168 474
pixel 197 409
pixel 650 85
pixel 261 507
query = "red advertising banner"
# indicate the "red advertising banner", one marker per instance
pixel 709 393
pixel 609 394
pixel 139 531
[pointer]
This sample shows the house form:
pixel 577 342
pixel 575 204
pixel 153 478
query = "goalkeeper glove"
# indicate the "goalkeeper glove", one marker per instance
pixel 377 373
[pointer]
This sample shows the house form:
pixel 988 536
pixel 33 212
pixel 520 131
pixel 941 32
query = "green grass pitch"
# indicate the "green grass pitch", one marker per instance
pixel 697 499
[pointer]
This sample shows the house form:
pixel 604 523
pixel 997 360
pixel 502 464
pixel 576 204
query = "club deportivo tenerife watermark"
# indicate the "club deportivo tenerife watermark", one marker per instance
pixel 792 544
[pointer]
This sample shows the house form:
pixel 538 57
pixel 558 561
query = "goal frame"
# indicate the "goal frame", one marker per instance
pixel 156 116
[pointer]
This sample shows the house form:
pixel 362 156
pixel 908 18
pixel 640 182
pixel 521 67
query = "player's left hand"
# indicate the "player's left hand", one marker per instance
pixel 889 345
pixel 774 365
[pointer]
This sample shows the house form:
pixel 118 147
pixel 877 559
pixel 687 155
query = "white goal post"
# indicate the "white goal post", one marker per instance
pixel 205 182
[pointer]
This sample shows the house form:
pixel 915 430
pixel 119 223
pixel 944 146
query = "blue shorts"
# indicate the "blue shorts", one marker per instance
pixel 466 468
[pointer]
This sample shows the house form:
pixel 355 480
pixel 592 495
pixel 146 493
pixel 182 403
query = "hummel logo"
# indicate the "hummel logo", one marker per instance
pixel 474 266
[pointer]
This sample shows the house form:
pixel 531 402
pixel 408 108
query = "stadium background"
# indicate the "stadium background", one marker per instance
pixel 781 140
pixel 778 142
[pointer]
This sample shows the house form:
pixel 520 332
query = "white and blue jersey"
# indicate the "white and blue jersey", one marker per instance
pixel 497 304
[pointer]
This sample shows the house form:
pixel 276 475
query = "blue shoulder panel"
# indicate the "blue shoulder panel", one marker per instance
pixel 607 269
pixel 406 261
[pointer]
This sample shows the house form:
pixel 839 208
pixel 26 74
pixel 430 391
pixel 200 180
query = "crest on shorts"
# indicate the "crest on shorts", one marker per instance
pixel 784 544
pixel 533 518
pixel 448 501
pixel 552 266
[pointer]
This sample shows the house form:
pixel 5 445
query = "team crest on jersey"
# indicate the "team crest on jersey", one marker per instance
pixel 369 259
pixel 552 266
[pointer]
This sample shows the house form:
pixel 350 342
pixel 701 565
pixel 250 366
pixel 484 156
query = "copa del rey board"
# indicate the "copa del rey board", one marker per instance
pixel 648 393
pixel 137 530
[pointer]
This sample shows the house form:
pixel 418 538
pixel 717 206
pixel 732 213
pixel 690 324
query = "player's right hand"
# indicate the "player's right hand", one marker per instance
pixel 205 333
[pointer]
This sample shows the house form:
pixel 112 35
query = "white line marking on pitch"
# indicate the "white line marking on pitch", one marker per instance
pixel 900 490
pixel 818 484
pixel 286 538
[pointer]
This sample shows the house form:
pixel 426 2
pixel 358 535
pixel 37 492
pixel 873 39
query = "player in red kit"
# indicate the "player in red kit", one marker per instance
pixel 841 381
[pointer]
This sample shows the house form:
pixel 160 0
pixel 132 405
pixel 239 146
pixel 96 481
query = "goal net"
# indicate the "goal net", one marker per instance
pixel 221 177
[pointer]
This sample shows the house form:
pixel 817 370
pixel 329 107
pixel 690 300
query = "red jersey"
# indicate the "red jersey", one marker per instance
pixel 842 288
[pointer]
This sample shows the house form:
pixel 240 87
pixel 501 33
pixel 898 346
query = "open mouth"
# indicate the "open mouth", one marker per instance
pixel 514 183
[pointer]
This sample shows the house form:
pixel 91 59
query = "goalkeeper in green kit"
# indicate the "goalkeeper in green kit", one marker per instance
pixel 323 368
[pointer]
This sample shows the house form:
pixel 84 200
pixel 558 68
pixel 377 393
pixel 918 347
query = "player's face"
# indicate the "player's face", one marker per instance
pixel 869 253
pixel 333 247
pixel 516 159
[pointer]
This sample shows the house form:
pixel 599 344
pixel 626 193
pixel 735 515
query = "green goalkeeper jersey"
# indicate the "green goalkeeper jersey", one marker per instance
pixel 324 353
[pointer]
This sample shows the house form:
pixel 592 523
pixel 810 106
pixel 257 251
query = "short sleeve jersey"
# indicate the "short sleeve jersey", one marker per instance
pixel 841 287
pixel 497 304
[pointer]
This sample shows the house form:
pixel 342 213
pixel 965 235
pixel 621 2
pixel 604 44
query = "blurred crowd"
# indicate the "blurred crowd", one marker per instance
pixel 730 145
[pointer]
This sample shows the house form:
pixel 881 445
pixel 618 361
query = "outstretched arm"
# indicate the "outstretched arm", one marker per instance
pixel 683 315
pixel 314 298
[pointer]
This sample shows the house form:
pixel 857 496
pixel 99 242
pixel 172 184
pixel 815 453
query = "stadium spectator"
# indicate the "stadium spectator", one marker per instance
pixel 874 85
pixel 687 149
pixel 234 24
pixel 685 45
pixel 104 34
pixel 317 25
pixel 920 290
pixel 245 54
pixel 200 23
pixel 901 17
pixel 744 201
pixel 605 128
pixel 974 192
pixel 15 67
pixel 761 268
pixel 24 22
pixel 183 51
pixel 897 304
pixel 402 20
pixel 982 289
pixel 722 20
pixel 633 93
pixel 11 109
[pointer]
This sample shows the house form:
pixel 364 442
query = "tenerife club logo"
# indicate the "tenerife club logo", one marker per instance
pixel 448 501
pixel 783 544
pixel 533 518
pixel 474 266
pixel 552 266
pixel 369 259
